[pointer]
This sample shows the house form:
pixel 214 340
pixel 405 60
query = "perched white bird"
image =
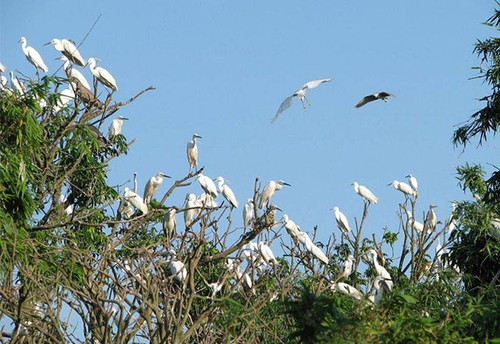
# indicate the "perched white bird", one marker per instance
pixel 68 49
pixel 191 211
pixel 226 191
pixel 403 187
pixel 33 56
pixel 381 271
pixel 364 192
pixel 102 75
pixel 347 289
pixel 347 266
pixel 192 152
pixel 169 221
pixel 177 268
pixel 16 83
pixel 135 200
pixel 248 213
pixel 430 222
pixel 152 186
pixel 418 226
pixel 69 209
pixel 269 191
pixel 312 248
pixel 266 253
pixel 3 82
pixel 375 96
pixel 75 75
pixel 116 126
pixel 207 185
pixel 2 68
pixel 379 290
pixel 413 183
pixel 65 97
pixel 291 227
pixel 204 200
pixel 341 220
pixel 301 95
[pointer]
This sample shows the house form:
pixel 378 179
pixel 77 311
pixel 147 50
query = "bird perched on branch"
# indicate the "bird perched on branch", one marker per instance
pixel 269 191
pixel 364 192
pixel 102 75
pixel 152 186
pixel 68 49
pixel 192 151
pixel 33 56
pixel 301 95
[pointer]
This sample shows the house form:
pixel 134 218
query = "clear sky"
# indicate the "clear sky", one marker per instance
pixel 222 68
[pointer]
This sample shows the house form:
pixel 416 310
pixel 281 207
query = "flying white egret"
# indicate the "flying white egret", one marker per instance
pixel 116 126
pixel 291 227
pixel 341 220
pixel 169 221
pixel 269 191
pixel 33 56
pixel 152 186
pixel 375 96
pixel 430 222
pixel 102 75
pixel 311 247
pixel 192 152
pixel 403 187
pixel 301 95
pixel 135 200
pixel 266 253
pixel 226 191
pixel 177 268
pixel 16 83
pixel 347 289
pixel 413 183
pixel 347 266
pixel 248 213
pixel 364 192
pixel 381 271
pixel 192 210
pixel 68 49
pixel 74 74
pixel 207 185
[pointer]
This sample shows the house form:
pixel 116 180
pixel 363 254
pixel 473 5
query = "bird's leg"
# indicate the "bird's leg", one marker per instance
pixel 303 105
pixel 307 100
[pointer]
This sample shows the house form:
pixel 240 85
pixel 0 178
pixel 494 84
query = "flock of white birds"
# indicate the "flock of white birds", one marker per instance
pixel 258 254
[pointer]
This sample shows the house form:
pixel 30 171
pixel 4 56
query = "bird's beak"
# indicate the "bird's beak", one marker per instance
pixel 164 175
pixel 125 118
pixel 48 43
pixel 389 184
pixel 198 136
pixel 278 209
pixel 286 184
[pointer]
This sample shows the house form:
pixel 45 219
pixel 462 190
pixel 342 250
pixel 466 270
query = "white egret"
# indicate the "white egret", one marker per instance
pixel 311 247
pixel 204 200
pixel 74 75
pixel 135 200
pixel 381 271
pixel 33 56
pixel 3 82
pixel 291 227
pixel 375 96
pixel 169 221
pixel 2 68
pixel 301 95
pixel 192 152
pixel 403 187
pixel 16 83
pixel 65 97
pixel 413 183
pixel 69 50
pixel 347 289
pixel 248 213
pixel 207 185
pixel 116 126
pixel 430 222
pixel 341 220
pixel 364 192
pixel 347 266
pixel 266 253
pixel 379 289
pixel 69 209
pixel 152 186
pixel 177 268
pixel 226 191
pixel 269 191
pixel 102 75
pixel 192 210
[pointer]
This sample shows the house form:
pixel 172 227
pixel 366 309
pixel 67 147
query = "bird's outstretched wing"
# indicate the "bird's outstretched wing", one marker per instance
pixel 386 94
pixel 315 83
pixel 366 100
pixel 284 105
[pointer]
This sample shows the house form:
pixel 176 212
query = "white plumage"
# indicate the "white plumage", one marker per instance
pixel 364 192
pixel 341 220
pixel 269 191
pixel 102 75
pixel 33 56
pixel 226 191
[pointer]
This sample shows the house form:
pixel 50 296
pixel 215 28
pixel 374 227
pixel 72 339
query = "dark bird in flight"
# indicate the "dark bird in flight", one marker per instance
pixel 375 96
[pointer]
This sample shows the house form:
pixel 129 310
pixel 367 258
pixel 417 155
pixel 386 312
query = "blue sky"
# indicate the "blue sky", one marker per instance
pixel 222 68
